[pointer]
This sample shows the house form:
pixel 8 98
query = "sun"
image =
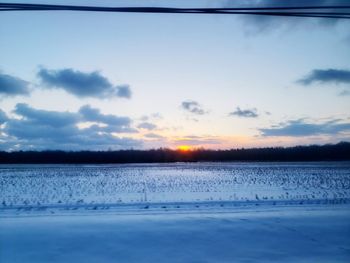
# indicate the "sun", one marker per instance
pixel 184 148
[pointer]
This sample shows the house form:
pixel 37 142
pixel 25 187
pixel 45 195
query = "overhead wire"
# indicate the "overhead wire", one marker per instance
pixel 329 11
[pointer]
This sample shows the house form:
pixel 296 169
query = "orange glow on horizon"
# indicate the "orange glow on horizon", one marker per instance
pixel 184 148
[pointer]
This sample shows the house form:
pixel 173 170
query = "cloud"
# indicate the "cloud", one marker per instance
pixel 247 113
pixel 297 128
pixel 13 86
pixel 345 93
pixel 93 114
pixel 82 84
pixel 114 123
pixel 3 117
pixel 153 116
pixel 197 140
pixel 156 115
pixel 264 23
pixel 153 136
pixel 51 118
pixel 147 126
pixel 193 107
pixel 326 76
pixel 124 91
pixel 43 129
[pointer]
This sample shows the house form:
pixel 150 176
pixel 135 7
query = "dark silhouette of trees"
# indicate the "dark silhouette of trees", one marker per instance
pixel 336 152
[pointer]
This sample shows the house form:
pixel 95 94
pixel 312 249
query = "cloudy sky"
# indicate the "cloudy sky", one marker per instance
pixel 102 81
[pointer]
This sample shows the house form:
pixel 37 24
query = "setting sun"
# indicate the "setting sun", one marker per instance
pixel 184 148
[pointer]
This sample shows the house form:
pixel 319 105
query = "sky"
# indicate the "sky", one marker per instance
pixel 100 81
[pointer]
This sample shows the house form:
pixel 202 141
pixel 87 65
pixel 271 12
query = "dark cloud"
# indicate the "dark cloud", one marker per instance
pixel 42 129
pixel 147 126
pixel 124 91
pixel 28 129
pixel 193 107
pixel 326 76
pixel 297 128
pixel 50 118
pixel 247 113
pixel 114 123
pixel 82 84
pixel 13 86
pixel 263 23
pixel 94 115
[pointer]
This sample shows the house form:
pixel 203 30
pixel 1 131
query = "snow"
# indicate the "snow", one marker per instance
pixel 62 185
pixel 202 212
pixel 313 233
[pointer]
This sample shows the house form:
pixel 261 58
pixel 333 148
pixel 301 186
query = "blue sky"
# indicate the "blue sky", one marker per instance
pixel 152 80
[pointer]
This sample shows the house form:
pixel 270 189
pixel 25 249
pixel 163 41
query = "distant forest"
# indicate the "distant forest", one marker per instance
pixel 336 152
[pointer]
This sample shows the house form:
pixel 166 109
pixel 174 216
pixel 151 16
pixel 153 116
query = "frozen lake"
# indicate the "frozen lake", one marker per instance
pixel 186 212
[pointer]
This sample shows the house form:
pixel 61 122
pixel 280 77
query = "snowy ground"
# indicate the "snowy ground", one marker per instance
pixel 303 233
pixel 81 185
pixel 202 212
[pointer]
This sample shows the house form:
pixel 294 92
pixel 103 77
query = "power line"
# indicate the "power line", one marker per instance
pixel 339 12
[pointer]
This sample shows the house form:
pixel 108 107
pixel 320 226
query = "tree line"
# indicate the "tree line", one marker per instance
pixel 329 152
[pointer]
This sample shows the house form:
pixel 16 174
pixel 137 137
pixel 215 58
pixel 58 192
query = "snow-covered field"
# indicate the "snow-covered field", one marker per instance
pixel 203 212
pixel 65 185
